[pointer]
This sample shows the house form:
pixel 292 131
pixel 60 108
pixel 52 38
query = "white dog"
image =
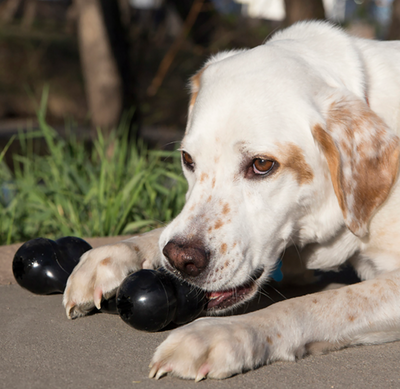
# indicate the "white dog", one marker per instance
pixel 294 142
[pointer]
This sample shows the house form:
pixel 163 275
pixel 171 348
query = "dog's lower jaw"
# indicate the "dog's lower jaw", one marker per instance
pixel 225 300
pixel 222 302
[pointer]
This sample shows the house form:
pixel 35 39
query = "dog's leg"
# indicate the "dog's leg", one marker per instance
pixel 100 271
pixel 368 312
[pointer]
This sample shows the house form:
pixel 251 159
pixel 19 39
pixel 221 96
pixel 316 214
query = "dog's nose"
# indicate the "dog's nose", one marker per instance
pixel 189 258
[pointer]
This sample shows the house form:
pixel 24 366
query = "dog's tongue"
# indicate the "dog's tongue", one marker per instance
pixel 217 298
pixel 226 298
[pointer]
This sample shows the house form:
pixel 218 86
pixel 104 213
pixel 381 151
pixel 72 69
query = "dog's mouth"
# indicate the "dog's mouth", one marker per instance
pixel 223 299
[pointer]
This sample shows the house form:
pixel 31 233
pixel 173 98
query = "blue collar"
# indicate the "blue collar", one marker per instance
pixel 277 273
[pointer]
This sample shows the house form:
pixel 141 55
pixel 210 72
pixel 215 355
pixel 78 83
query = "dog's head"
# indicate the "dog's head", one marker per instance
pixel 274 155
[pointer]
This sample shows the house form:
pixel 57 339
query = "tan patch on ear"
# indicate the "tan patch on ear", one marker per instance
pixel 195 87
pixel 193 98
pixel 333 158
pixel 293 158
pixel 362 155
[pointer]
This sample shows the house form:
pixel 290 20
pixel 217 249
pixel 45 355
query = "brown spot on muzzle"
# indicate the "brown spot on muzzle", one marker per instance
pixel 189 257
pixel 218 224
pixel 203 177
pixel 226 209
pixel 223 248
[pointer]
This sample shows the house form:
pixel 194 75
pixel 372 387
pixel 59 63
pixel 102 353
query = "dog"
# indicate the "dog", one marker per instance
pixel 291 150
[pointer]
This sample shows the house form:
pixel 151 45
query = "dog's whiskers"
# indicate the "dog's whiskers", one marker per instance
pixel 277 291
pixel 171 143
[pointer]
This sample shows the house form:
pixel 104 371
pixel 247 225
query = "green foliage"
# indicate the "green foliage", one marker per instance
pixel 114 188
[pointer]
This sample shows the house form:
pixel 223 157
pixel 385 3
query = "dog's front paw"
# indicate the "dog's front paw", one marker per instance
pixel 209 347
pixel 98 274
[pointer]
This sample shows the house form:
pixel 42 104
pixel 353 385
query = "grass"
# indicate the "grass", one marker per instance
pixel 108 190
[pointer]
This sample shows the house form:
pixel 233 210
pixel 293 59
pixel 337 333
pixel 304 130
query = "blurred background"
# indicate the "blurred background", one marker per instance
pixel 101 58
pixel 69 68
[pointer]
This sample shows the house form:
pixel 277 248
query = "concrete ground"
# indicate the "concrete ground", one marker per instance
pixel 41 348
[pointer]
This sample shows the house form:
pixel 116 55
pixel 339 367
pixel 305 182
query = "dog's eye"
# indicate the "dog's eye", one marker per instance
pixel 262 166
pixel 187 160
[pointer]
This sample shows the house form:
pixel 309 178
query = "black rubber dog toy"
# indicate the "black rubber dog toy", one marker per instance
pixel 146 300
pixel 43 266
pixel 149 300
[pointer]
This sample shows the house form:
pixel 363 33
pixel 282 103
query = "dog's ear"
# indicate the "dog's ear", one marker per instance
pixel 194 83
pixel 362 155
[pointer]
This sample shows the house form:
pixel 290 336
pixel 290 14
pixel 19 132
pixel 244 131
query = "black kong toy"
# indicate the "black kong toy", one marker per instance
pixel 147 300
pixel 43 266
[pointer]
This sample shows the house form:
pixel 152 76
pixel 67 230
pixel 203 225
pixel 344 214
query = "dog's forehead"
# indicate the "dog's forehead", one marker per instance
pixel 272 71
pixel 252 98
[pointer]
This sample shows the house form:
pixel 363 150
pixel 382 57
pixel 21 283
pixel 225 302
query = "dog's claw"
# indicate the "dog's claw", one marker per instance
pixel 98 294
pixel 158 371
pixel 199 377
pixel 74 310
pixel 153 371
pixel 70 310
pixel 160 374
pixel 202 373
